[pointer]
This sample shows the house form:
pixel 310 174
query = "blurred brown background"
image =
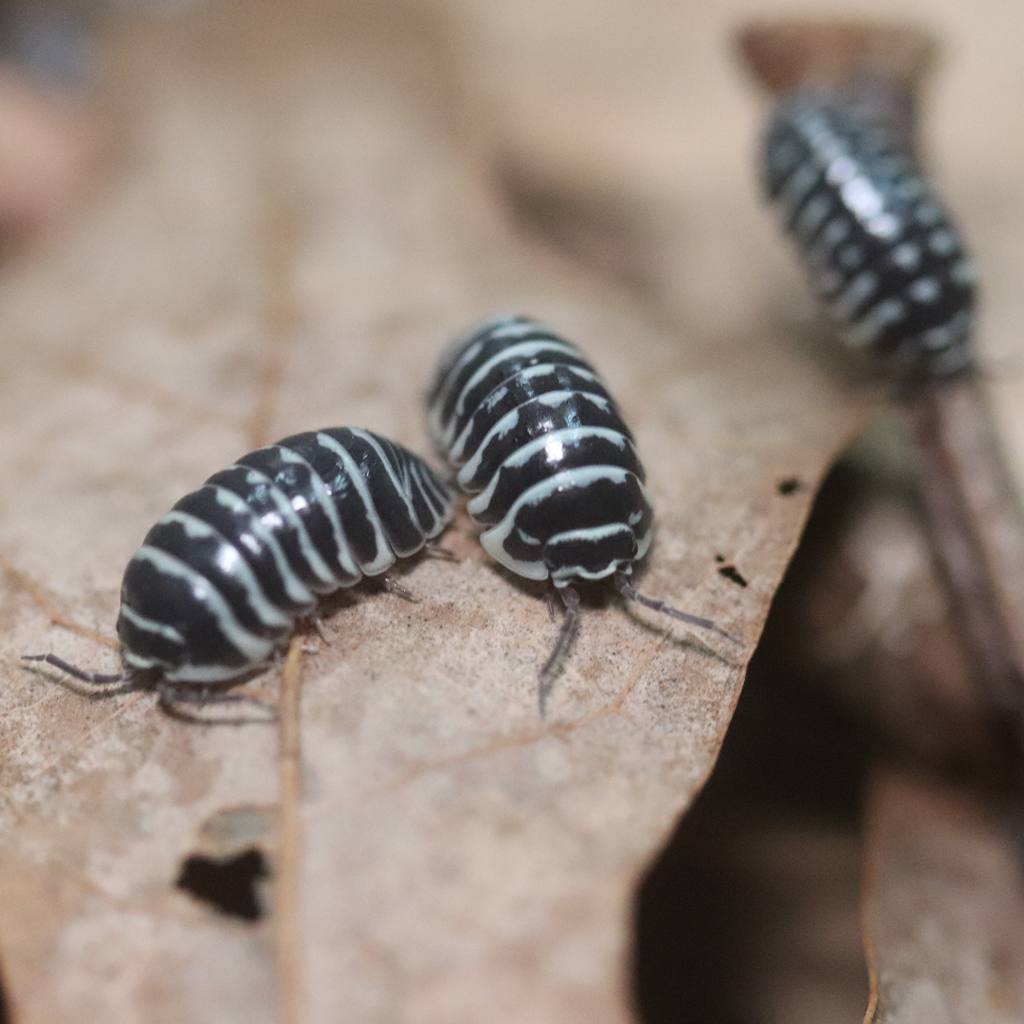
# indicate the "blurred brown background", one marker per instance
pixel 221 219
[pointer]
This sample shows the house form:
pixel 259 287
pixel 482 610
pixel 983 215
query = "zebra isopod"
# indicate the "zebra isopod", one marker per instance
pixel 220 581
pixel 880 251
pixel 555 477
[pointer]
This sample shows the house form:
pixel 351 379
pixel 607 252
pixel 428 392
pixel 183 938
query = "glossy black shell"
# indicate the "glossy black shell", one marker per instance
pixel 539 442
pixel 219 581
pixel 880 251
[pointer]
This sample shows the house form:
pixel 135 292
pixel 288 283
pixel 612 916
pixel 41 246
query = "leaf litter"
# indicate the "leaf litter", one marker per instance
pixel 294 221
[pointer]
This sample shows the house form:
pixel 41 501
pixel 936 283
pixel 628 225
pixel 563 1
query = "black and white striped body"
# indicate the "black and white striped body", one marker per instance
pixel 219 581
pixel 881 253
pixel 539 442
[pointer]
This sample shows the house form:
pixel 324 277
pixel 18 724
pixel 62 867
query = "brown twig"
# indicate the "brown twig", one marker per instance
pixel 787 54
pixel 288 889
pixel 877 67
pixel 959 470
pixel 868 891
pixel 46 606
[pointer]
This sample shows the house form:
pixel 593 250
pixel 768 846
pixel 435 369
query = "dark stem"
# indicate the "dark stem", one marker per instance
pixel 976 529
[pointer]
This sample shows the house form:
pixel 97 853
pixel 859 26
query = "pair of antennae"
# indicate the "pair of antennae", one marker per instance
pixel 172 697
pixel 571 621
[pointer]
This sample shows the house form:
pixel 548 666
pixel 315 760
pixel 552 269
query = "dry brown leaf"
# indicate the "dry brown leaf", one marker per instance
pixel 293 231
pixel 944 910
pixel 630 190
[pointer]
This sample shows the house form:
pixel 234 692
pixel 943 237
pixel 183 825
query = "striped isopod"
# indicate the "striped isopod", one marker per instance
pixel 219 582
pixel 881 253
pixel 556 480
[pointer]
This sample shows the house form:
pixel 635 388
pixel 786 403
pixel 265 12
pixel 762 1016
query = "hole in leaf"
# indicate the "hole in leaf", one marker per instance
pixel 789 486
pixel 229 884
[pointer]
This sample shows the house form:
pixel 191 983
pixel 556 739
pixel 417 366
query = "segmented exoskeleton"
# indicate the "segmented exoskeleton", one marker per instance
pixel 220 581
pixel 880 251
pixel 538 441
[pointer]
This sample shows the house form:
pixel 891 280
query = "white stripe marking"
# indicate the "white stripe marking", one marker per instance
pixel 457 453
pixel 439 504
pixel 509 421
pixel 286 516
pixel 323 499
pixel 294 587
pixel 859 289
pixel 925 290
pixel 152 626
pixel 402 487
pixel 563 437
pixel 523 349
pixel 907 256
pixel 502 325
pixel 231 562
pixel 861 198
pixel 594 533
pixel 871 325
pixel 252 648
pixel 799 183
pixel 812 216
pixel 493 540
pixel 384 557
pixel 189 673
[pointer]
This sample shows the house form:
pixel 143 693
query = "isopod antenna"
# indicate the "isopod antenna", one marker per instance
pixel 96 678
pixel 628 591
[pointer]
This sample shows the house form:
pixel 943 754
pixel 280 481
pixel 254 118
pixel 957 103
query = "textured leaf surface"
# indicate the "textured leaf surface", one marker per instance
pixel 293 226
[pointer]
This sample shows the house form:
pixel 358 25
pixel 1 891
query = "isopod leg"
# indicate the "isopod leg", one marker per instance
pixel 392 586
pixel 173 697
pixel 434 550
